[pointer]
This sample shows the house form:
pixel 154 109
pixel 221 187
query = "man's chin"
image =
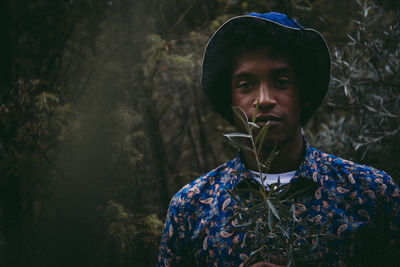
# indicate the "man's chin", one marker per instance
pixel 270 142
pixel 271 138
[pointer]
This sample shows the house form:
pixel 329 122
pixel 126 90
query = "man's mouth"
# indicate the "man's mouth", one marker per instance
pixel 264 119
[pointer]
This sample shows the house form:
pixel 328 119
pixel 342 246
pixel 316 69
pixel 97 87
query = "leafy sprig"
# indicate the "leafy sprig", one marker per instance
pixel 268 215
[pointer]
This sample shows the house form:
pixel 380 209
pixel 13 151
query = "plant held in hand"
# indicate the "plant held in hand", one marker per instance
pixel 268 215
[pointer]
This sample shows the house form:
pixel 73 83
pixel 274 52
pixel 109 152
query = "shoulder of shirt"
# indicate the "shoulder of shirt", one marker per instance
pixel 342 170
pixel 199 189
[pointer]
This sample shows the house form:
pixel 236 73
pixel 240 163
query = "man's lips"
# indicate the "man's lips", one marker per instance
pixel 272 119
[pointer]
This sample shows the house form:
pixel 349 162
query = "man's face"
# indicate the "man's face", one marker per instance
pixel 268 76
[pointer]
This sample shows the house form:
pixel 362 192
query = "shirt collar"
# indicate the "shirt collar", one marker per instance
pixel 310 168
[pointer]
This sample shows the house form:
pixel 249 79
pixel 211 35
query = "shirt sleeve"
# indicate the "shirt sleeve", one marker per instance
pixel 391 215
pixel 379 245
pixel 175 248
pixel 386 229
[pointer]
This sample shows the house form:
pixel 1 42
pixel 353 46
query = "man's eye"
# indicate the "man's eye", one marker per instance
pixel 244 85
pixel 282 82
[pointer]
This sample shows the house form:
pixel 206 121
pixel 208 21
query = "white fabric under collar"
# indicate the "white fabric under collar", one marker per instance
pixel 273 178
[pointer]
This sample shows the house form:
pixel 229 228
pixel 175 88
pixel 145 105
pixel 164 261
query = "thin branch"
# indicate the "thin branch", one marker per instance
pixel 371 140
pixel 180 19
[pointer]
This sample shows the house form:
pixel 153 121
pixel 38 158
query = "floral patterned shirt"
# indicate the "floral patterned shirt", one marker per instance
pixel 346 195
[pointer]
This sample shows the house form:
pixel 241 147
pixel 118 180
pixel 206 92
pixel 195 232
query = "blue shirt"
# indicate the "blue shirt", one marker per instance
pixel 346 195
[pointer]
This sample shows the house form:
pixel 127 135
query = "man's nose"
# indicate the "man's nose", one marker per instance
pixel 265 97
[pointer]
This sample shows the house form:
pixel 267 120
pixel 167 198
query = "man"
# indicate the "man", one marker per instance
pixel 270 63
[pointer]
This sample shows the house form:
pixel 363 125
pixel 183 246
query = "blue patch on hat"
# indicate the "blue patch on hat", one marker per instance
pixel 279 18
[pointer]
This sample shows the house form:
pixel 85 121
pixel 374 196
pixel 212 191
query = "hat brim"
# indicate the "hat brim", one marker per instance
pixel 308 44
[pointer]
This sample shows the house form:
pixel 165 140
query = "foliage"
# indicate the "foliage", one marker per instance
pixel 268 215
pixel 102 118
pixel 364 93
pixel 128 238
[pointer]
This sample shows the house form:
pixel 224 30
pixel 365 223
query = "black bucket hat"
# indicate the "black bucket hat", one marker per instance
pixel 306 47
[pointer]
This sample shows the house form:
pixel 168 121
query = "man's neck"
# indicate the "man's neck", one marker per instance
pixel 289 158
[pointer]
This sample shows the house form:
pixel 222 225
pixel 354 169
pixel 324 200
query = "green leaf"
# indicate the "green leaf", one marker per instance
pixel 269 220
pixel 232 195
pixel 253 124
pixel 238 144
pixel 284 232
pixel 256 230
pixel 315 243
pixel 274 211
pixel 241 115
pixel 271 156
pixel 289 261
pixel 245 224
pixel 261 133
pixel 231 219
pixel 237 135
pixel 259 141
pixel 293 210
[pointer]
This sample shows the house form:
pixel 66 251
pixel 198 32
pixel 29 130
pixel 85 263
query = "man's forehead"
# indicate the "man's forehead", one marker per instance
pixel 262 51
pixel 281 59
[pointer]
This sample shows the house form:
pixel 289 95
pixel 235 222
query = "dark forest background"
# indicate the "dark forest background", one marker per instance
pixel 102 118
